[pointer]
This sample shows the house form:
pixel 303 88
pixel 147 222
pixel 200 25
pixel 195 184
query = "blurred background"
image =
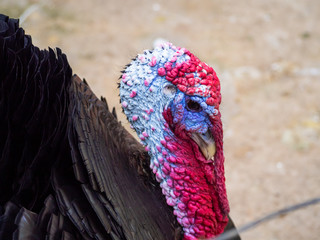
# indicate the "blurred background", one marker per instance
pixel 267 55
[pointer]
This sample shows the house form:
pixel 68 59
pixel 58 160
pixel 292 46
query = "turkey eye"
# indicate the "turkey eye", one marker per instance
pixel 193 106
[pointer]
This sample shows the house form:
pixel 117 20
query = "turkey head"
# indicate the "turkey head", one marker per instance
pixel 172 100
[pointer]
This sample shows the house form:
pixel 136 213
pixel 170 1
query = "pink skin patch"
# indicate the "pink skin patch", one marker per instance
pixel 161 71
pixel 158 148
pixel 173 59
pixel 124 104
pixel 133 94
pixel 142 58
pixel 124 78
pixel 153 61
pixel 163 142
pixel 142 138
pixel 145 134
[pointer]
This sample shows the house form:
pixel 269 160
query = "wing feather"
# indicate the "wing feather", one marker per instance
pixel 135 210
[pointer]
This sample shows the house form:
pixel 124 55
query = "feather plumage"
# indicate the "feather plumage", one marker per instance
pixel 68 169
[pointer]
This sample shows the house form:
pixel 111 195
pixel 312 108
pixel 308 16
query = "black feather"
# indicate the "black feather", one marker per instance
pixel 68 169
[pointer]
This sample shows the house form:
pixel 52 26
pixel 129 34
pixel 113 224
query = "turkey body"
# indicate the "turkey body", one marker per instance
pixel 68 169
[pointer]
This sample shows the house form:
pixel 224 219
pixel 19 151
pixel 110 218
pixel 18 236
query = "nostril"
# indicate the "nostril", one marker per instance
pixel 193 106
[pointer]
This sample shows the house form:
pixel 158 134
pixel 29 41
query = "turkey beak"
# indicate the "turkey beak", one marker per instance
pixel 206 144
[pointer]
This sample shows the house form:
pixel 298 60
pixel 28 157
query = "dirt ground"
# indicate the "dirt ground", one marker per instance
pixel 267 55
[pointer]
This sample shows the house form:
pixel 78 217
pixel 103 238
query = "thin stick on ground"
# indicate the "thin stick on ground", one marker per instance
pixel 229 234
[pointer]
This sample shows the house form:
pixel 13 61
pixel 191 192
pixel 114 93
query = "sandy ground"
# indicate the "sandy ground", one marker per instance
pixel 267 54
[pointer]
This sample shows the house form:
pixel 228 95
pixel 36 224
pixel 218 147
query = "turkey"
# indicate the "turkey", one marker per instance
pixel 69 170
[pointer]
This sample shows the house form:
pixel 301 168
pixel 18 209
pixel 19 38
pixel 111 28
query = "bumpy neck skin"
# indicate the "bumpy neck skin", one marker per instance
pixel 157 108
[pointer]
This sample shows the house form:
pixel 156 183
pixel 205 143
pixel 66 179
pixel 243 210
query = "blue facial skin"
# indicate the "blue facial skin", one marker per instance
pixel 192 113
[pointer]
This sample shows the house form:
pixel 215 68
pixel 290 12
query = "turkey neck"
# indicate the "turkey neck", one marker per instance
pixel 192 185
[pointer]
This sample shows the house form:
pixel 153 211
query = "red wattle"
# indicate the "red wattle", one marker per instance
pixel 197 183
